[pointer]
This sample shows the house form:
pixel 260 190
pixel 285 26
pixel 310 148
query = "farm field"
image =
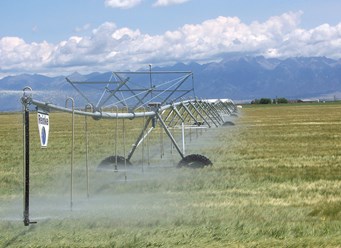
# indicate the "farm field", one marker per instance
pixel 275 182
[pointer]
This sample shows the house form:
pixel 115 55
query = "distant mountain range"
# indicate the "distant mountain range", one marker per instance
pixel 235 77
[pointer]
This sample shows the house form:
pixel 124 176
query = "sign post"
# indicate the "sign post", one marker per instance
pixel 26 101
pixel 27 166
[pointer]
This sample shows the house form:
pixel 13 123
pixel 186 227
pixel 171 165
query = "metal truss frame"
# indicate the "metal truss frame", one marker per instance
pixel 160 102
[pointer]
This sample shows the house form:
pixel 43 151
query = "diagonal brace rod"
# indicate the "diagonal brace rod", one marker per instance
pixel 170 135
pixel 141 137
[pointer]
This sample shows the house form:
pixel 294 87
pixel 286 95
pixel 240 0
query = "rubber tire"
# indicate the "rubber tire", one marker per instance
pixel 194 161
pixel 229 123
pixel 109 162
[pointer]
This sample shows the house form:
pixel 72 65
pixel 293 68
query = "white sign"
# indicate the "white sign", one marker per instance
pixel 43 126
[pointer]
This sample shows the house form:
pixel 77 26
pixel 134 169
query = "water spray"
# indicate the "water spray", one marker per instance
pixel 161 102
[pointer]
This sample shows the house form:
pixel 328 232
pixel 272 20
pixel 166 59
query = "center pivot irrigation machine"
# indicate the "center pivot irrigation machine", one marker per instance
pixel 156 96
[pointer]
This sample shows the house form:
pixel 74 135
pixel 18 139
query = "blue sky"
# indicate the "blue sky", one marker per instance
pixel 51 37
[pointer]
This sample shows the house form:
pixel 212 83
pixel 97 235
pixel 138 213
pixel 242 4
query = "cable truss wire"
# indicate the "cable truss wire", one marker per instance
pixel 177 81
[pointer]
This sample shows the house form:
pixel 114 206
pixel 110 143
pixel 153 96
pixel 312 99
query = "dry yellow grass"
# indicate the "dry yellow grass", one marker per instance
pixel 275 182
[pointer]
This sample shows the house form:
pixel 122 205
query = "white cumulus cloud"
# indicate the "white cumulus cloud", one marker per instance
pixel 16 54
pixel 123 4
pixel 126 4
pixel 109 47
pixel 168 2
pixel 85 27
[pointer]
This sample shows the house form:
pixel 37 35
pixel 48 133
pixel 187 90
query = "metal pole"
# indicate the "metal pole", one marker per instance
pixel 140 138
pixel 150 81
pixel 26 165
pixel 87 156
pixel 183 138
pixel 144 123
pixel 26 100
pixel 72 148
pixel 171 143
pixel 170 135
pixel 124 148
pixel 148 147
pixel 161 141
pixel 116 136
pixel 87 150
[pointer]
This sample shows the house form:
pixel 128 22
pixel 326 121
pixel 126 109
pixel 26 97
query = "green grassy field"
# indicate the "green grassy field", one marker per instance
pixel 275 182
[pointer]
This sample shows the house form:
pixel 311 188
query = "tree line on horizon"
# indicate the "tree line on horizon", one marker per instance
pixel 279 100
